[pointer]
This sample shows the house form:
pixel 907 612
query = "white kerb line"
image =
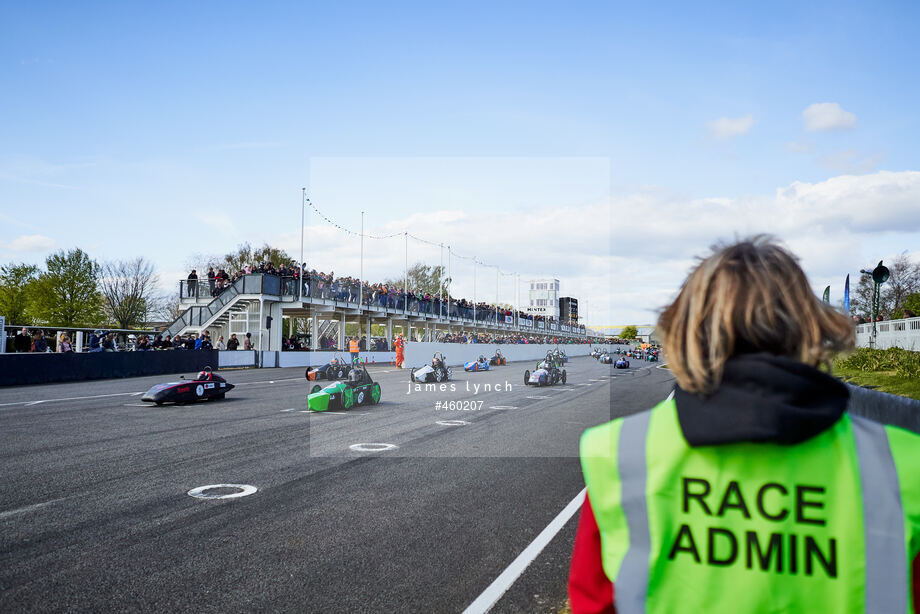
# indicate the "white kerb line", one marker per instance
pixel 503 582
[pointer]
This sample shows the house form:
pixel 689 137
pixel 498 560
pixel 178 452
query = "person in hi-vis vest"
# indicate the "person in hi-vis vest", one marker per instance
pixel 751 488
pixel 353 349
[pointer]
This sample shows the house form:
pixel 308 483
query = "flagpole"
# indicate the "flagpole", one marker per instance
pixel 303 205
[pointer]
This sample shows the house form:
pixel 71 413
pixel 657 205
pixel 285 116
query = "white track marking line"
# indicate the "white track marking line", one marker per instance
pixel 291 409
pixel 95 396
pixel 27 508
pixel 503 582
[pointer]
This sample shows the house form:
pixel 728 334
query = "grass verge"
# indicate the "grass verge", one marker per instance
pixel 893 370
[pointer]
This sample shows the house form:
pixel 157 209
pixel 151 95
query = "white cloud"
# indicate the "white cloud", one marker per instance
pixel 29 243
pixel 729 127
pixel 850 162
pixel 823 116
pixel 835 226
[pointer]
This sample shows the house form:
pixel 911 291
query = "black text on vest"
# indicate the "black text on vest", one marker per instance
pixel 773 552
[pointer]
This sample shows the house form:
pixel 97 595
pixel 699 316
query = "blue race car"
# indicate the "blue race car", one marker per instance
pixel 480 364
pixel 621 363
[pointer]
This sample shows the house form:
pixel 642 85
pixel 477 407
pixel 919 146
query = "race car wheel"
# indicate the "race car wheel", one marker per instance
pixel 563 376
pixel 339 373
pixel 375 393
pixel 220 396
pixel 316 388
pixel 526 377
pixel 348 398
pixel 360 397
pixel 411 375
pixel 158 402
pixel 439 374
pixel 449 372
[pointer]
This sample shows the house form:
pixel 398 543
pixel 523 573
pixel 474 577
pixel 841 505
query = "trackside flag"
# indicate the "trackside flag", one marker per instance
pixel 827 295
pixel 846 296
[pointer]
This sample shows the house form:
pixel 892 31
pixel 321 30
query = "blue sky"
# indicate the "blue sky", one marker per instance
pixel 169 129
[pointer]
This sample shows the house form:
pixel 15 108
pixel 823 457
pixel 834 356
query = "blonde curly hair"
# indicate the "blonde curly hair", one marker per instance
pixel 751 296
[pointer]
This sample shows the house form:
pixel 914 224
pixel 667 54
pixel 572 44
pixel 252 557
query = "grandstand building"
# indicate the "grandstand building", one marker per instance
pixel 543 299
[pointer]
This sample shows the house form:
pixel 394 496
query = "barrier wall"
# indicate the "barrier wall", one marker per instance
pixel 21 369
pixel 237 358
pixel 885 408
pixel 891 333
pixel 456 354
pixel 315 359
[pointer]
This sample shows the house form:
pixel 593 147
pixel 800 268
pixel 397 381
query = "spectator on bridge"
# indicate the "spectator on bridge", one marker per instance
pixel 211 280
pixel 247 342
pixel 233 343
pixel 192 284
pixel 64 345
pixel 108 343
pixel 23 341
pixel 754 449
pixel 39 344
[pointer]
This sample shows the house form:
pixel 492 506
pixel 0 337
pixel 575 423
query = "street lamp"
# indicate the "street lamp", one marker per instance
pixel 880 275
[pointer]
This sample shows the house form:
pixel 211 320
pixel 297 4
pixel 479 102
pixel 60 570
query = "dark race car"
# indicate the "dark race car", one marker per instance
pixel 205 386
pixel 546 373
pixel 498 359
pixel 358 389
pixel 336 368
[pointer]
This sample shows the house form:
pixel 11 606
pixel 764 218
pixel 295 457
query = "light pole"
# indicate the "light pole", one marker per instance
pixel 303 206
pixel 880 275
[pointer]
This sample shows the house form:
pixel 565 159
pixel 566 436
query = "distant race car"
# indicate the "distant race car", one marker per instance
pixel 605 359
pixel 358 389
pixel 336 368
pixel 498 359
pixel 205 386
pixel 596 353
pixel 621 363
pixel 480 364
pixel 437 371
pixel 546 373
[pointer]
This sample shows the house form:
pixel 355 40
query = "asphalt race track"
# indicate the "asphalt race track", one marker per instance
pixel 95 515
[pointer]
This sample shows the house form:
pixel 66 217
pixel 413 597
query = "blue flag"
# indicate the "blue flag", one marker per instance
pixel 846 296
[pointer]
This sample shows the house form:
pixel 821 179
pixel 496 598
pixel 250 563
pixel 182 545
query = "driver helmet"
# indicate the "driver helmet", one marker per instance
pixel 205 375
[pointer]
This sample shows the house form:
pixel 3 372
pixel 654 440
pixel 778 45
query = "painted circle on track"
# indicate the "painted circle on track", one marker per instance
pixel 451 422
pixel 372 447
pixel 502 407
pixel 201 492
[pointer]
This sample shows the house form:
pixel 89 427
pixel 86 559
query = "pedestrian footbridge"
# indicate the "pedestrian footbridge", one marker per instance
pixel 261 304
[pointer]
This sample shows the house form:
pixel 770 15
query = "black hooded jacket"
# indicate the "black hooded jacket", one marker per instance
pixel 762 398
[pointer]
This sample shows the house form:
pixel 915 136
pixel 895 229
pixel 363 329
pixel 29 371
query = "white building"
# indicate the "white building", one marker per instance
pixel 544 298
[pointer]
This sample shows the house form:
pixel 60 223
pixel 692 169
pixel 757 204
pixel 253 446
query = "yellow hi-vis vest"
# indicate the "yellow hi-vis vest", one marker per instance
pixel 831 524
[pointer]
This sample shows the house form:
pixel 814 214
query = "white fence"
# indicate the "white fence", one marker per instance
pixel 891 333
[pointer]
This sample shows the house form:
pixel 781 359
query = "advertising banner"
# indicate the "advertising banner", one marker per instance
pixel 509 319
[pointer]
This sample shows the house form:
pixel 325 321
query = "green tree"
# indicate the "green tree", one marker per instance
pixel 629 332
pixel 912 305
pixel 67 293
pixel 17 285
pixel 129 291
pixel 423 278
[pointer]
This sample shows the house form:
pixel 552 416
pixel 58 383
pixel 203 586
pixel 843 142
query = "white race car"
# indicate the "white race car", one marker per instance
pixel 437 371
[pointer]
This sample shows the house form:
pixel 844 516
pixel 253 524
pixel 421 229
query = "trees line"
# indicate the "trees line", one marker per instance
pixel 73 290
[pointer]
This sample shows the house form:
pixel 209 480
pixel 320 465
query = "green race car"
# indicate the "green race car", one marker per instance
pixel 358 389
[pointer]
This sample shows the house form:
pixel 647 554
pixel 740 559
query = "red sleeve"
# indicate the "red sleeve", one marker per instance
pixel 915 582
pixel 590 591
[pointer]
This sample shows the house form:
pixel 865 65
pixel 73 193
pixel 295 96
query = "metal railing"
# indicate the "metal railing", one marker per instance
pixel 342 295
